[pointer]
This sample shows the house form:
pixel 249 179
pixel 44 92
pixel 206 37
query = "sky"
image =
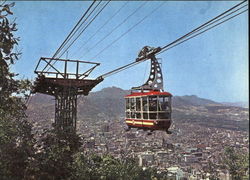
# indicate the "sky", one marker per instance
pixel 213 65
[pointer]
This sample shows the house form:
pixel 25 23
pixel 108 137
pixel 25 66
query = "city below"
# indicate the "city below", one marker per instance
pixel 201 131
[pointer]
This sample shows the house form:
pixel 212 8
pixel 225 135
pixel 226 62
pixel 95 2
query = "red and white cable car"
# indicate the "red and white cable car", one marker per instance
pixel 148 107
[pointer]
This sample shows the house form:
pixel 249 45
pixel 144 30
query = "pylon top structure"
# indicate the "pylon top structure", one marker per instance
pixel 65 85
pixel 49 82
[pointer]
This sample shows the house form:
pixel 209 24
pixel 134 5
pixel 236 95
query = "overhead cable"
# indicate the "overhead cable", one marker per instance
pixel 76 28
pixel 165 49
pixel 70 34
pixel 213 20
pixel 192 34
pixel 116 27
pixel 136 24
pixel 84 29
pixel 101 27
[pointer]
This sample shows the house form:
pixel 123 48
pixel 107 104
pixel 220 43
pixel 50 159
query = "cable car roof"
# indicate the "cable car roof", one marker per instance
pixel 151 93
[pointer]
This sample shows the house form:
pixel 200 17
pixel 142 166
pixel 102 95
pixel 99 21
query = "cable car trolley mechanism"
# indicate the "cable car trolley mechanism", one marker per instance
pixel 148 107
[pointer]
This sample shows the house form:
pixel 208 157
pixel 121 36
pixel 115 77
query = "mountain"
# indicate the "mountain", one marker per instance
pixel 109 104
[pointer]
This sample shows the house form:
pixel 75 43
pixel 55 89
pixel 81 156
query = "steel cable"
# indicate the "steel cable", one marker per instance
pixel 151 12
pixel 104 24
pixel 173 45
pixel 116 27
pixel 84 28
pixel 73 32
pixel 76 28
pixel 203 25
pixel 177 43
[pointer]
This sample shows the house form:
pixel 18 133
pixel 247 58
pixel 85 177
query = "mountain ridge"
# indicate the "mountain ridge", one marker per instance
pixel 109 103
pixel 116 92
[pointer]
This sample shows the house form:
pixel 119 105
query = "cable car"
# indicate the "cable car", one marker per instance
pixel 148 107
pixel 149 110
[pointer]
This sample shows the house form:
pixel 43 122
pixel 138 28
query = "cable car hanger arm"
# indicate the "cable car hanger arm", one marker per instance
pixel 145 54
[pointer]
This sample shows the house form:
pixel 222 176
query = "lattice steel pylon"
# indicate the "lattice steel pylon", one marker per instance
pixel 65 87
pixel 66 108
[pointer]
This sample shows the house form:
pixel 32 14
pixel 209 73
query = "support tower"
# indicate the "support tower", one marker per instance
pixel 65 85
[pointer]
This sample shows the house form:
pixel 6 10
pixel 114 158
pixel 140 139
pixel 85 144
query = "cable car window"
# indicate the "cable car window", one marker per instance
pixel 127 114
pixel 132 103
pixel 127 103
pixel 152 103
pixel 138 104
pixel 152 115
pixel 138 115
pixel 132 114
pixel 164 115
pixel 145 104
pixel 163 103
pixel 145 115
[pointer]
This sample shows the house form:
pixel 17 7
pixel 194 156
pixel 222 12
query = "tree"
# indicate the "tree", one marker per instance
pixel 16 140
pixel 106 167
pixel 55 158
pixel 236 162
pixel 212 170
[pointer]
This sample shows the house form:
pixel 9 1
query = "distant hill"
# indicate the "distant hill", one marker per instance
pixel 109 103
pixel 192 100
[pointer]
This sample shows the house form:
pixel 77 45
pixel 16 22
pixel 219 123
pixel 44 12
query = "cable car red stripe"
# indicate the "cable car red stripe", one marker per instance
pixel 149 93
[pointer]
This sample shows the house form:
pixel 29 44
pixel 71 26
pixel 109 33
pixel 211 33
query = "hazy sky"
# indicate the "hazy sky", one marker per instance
pixel 213 65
